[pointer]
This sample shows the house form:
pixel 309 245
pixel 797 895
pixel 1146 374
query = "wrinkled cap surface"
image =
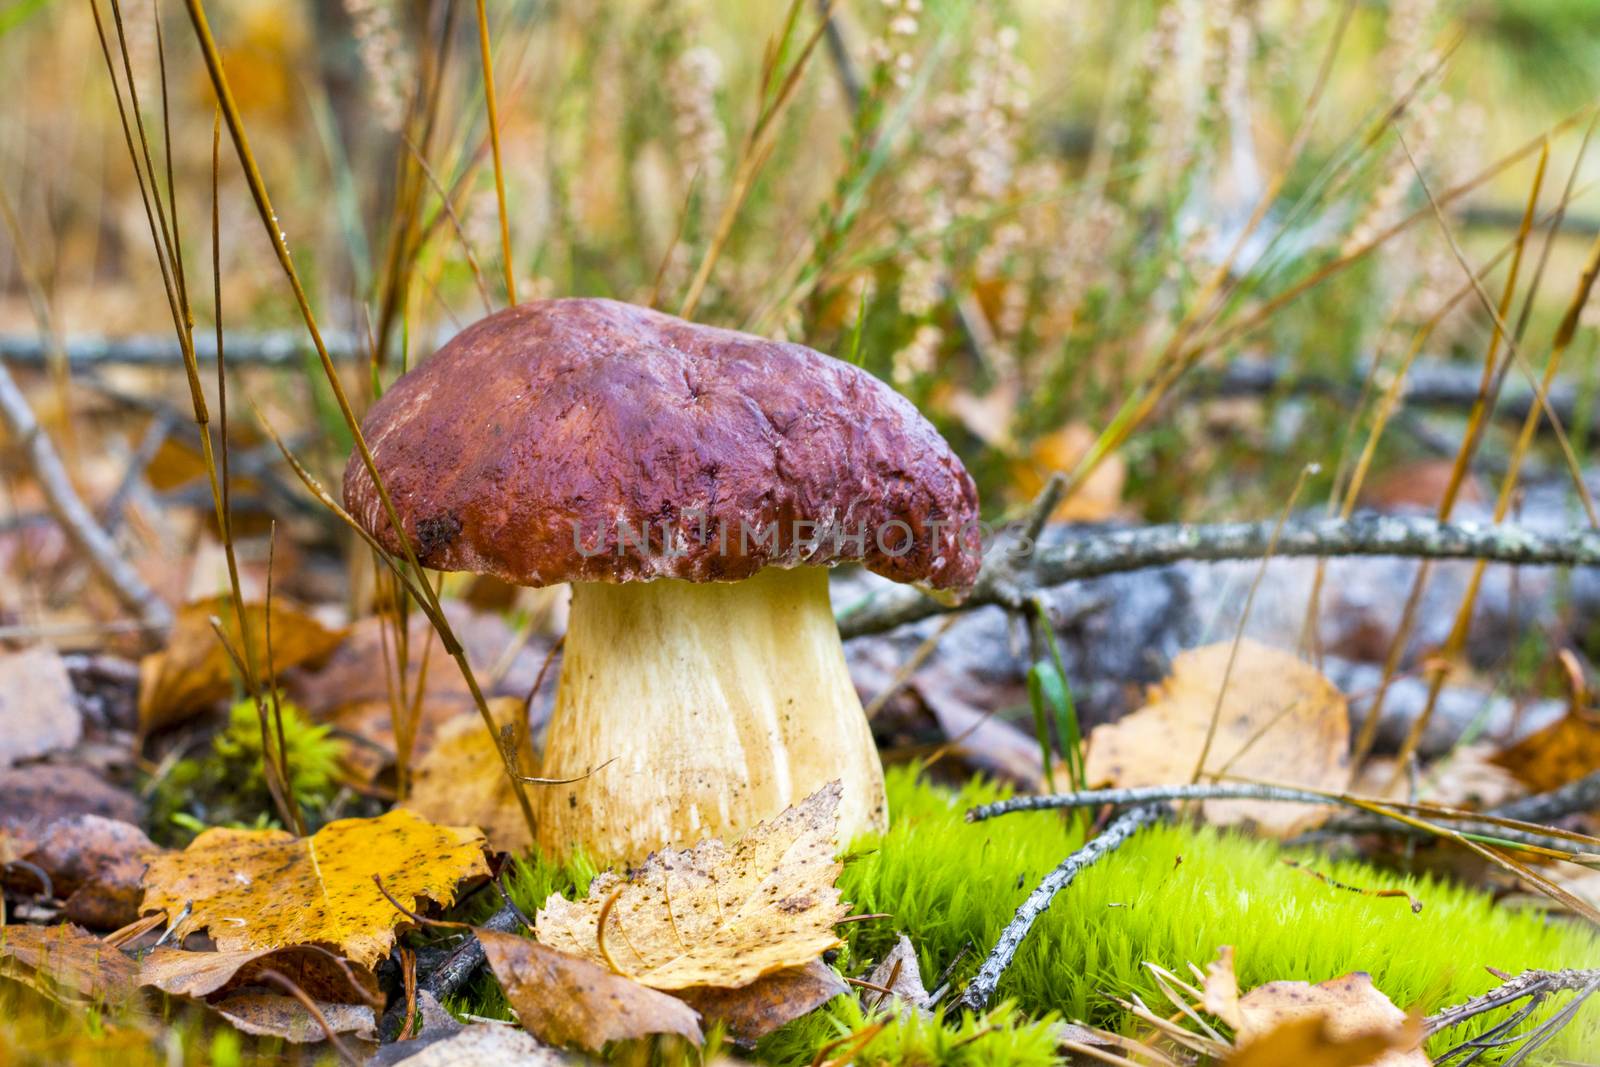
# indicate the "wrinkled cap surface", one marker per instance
pixel 591 440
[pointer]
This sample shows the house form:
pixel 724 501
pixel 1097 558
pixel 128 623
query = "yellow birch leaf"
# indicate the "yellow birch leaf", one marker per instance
pixel 711 915
pixel 1343 1022
pixel 266 889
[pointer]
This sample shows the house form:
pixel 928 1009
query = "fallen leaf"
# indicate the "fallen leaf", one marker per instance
pixel 752 1012
pixel 265 889
pixel 566 1000
pixel 195 670
pixel 1280 722
pixel 1221 989
pixel 96 864
pixel 461 779
pixel 38 711
pixel 1562 752
pixel 67 963
pixel 283 1016
pixel 898 971
pixel 1350 1015
pixel 34 796
pixel 1097 499
pixel 479 1045
pixel 1312 1042
pixel 202 974
pixel 1469 777
pixel 711 916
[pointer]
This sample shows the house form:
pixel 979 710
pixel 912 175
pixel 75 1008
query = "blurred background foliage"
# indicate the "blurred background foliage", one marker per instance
pixel 1016 212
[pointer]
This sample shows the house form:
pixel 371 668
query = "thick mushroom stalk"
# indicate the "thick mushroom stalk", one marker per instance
pixel 718 704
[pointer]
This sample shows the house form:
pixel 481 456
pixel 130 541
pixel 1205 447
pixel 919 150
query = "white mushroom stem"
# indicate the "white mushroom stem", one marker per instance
pixel 718 704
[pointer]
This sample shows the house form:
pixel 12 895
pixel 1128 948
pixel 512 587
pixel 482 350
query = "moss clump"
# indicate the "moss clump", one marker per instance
pixel 1172 896
pixel 228 787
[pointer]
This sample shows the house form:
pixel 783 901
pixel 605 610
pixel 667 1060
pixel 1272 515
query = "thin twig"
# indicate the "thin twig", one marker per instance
pixel 976 996
pixel 1008 579
pixel 1522 836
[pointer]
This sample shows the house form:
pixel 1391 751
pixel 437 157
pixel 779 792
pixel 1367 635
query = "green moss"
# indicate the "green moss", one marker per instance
pixel 227 787
pixel 1171 896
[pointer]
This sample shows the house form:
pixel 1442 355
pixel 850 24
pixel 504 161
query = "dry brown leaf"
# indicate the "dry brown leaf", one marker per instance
pixel 1351 1014
pixel 194 669
pixel 96 864
pixel 203 974
pixel 34 796
pixel 1469 777
pixel 265 889
pixel 1281 722
pixel 900 972
pixel 283 1016
pixel 1221 989
pixel 752 1012
pixel 1562 752
pixel 714 916
pixel 67 963
pixel 461 779
pixel 38 711
pixel 566 1000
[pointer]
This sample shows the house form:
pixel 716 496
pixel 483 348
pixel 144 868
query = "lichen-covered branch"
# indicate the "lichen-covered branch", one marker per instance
pixel 1008 578
pixel 976 996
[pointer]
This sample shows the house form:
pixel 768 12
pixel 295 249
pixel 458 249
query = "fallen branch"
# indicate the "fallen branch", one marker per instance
pixel 452 972
pixel 1428 384
pixel 976 996
pixel 76 520
pixel 1009 578
pixel 1526 984
pixel 281 348
pixel 1152 794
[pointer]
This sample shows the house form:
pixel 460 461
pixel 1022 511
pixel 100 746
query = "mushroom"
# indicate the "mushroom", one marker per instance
pixel 693 484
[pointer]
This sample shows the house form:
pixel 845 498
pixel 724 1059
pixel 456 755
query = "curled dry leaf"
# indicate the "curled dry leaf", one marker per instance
pixel 38 712
pixel 714 916
pixel 1220 993
pixel 68 964
pixel 752 1012
pixel 1355 1025
pixel 898 971
pixel 461 779
pixel 1280 722
pixel 203 974
pixel 265 889
pixel 283 1016
pixel 194 669
pixel 566 1000
pixel 1562 752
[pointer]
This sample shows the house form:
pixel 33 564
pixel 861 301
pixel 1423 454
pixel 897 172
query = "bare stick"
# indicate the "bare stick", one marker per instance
pixel 1153 794
pixel 1008 579
pixel 976 996
pixel 70 511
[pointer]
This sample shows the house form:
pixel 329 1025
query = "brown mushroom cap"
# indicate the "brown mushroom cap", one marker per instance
pixel 543 443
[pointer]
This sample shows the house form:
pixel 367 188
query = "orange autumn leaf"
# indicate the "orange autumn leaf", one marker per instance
pixel 1562 752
